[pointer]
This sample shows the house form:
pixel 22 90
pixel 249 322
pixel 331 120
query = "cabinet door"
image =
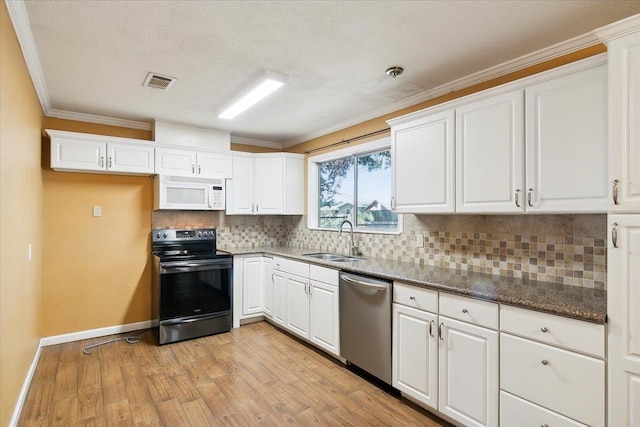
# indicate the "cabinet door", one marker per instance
pixel 422 156
pixel 214 165
pixel 268 281
pixel 490 155
pixel 468 373
pixel 242 182
pixel 252 285
pixel 623 312
pixel 324 320
pixel 268 185
pixel 624 126
pixel 175 162
pixel 75 154
pixel 129 158
pixel 415 354
pixel 279 298
pixel 297 300
pixel 566 146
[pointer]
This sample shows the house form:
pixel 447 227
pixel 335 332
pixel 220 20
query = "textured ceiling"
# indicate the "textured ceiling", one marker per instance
pixel 95 55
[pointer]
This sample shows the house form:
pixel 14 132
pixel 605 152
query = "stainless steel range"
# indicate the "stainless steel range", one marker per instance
pixel 192 284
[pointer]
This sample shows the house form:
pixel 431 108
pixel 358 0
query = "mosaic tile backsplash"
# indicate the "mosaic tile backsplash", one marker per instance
pixel 563 249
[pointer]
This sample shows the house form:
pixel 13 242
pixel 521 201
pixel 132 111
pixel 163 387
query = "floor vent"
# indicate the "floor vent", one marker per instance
pixel 158 81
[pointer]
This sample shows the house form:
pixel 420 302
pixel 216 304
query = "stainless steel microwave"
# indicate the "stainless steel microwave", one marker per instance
pixel 186 193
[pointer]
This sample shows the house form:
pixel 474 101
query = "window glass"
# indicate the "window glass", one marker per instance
pixel 357 188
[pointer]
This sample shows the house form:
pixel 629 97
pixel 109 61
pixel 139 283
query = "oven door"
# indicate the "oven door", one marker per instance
pixel 194 298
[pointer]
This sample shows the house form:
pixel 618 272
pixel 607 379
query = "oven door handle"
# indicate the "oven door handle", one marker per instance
pixel 189 268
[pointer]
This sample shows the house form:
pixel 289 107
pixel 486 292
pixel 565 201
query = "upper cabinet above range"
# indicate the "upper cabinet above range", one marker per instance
pixel 79 152
pixel 537 145
pixel 192 163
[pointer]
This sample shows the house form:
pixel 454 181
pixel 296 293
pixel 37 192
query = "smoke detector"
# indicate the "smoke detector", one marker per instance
pixel 394 71
pixel 158 81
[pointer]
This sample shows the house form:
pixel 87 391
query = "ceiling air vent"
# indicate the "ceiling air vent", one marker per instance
pixel 158 81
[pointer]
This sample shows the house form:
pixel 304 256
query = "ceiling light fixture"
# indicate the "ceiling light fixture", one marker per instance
pixel 265 85
pixel 394 71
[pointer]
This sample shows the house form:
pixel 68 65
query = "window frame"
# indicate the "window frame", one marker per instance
pixel 313 183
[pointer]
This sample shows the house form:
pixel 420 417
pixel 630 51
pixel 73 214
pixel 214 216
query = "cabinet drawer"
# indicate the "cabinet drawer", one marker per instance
pixel 413 296
pixel 323 274
pixel 561 331
pixel 481 313
pixel 298 268
pixel 516 412
pixel 279 264
pixel 562 381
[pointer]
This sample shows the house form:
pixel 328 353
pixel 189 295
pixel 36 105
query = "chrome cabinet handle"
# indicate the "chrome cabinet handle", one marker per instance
pixel 529 197
pixel 412 298
pixel 518 198
pixel 614 191
pixel 199 169
pixel 545 362
pixel 440 331
pixel 310 289
pixel 431 328
pixel 544 425
pixel 544 329
pixel 614 235
pixel 257 208
pixel 252 207
pixel 110 162
pixel 101 161
pixel 465 311
pixel 193 168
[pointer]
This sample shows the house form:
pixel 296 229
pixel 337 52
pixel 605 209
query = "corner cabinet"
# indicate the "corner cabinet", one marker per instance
pixel 78 152
pixel 266 184
pixel 423 164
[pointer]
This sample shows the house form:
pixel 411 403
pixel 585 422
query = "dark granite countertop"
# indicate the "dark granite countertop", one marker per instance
pixel 563 300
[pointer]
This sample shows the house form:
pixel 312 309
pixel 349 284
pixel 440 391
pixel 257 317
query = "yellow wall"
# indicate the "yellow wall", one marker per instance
pixel 20 218
pixel 97 270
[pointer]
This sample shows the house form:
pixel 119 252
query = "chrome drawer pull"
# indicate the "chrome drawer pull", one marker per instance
pixel 544 425
pixel 440 331
pixel 412 298
pixel 614 192
pixel 465 311
pixel 545 362
pixel 614 235
pixel 518 198
pixel 544 329
pixel 431 328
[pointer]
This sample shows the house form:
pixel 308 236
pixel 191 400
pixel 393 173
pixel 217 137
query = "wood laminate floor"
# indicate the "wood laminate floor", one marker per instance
pixel 252 376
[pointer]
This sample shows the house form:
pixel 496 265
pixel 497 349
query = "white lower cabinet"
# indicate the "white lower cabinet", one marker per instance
pixel 516 412
pixel 297 290
pixel 445 364
pixel 548 362
pixel 324 316
pixel 279 298
pixel 252 285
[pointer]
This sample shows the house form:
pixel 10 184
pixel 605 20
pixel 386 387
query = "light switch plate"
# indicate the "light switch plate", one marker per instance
pixel 420 240
pixel 97 211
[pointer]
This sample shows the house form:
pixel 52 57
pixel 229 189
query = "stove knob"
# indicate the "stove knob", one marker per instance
pixel 211 233
pixel 199 233
pixel 158 235
pixel 164 235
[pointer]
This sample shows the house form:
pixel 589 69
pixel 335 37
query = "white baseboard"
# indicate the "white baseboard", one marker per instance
pixel 94 333
pixel 17 410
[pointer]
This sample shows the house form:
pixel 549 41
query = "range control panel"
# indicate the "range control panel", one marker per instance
pixel 169 234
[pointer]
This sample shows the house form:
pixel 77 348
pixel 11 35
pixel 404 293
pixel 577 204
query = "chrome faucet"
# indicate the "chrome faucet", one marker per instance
pixel 352 248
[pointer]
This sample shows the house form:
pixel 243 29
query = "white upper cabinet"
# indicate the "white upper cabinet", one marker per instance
pixel 77 152
pixel 422 156
pixel 624 132
pixel 566 143
pixel 266 184
pixel 185 162
pixel 489 154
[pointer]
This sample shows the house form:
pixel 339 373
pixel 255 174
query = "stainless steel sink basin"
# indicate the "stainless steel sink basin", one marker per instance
pixel 327 256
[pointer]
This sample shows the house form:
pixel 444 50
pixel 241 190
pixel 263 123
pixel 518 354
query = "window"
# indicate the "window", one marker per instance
pixel 355 186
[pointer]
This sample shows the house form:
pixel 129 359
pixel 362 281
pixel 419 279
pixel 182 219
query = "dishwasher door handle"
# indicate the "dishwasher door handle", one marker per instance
pixel 368 285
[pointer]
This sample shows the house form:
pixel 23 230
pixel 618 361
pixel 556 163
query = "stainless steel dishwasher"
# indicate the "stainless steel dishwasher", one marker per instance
pixel 365 324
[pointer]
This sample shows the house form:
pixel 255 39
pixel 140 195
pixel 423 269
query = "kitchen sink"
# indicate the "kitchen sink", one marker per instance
pixel 327 256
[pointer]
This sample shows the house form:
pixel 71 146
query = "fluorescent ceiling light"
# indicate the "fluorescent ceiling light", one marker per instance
pixel 268 83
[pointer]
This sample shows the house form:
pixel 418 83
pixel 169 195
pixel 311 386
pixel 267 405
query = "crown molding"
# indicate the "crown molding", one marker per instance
pixel 619 29
pixel 256 142
pixel 102 120
pixel 20 20
pixel 528 60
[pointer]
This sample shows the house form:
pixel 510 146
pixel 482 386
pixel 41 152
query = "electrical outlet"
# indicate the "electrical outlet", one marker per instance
pixel 420 240
pixel 29 252
pixel 97 211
